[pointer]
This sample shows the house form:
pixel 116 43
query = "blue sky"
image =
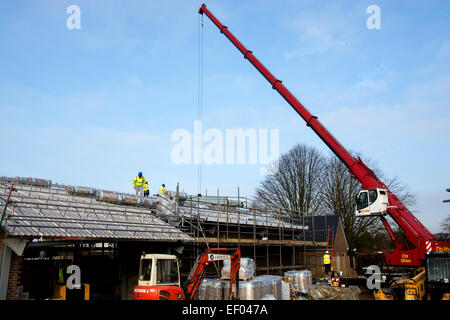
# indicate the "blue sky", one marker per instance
pixel 93 106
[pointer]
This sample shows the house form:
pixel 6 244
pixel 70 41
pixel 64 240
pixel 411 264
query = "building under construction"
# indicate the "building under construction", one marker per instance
pixel 46 227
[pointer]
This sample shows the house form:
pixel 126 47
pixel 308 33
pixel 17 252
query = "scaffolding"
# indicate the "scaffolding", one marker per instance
pixel 277 242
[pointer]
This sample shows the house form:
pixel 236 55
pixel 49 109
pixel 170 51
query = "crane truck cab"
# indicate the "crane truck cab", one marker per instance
pixel 371 202
pixel 159 278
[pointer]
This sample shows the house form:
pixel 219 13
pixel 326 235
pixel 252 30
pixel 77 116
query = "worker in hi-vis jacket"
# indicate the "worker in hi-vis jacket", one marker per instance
pixel 138 184
pixel 146 189
pixel 327 262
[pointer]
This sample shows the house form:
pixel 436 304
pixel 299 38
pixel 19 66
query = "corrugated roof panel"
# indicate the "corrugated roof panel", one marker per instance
pixel 51 212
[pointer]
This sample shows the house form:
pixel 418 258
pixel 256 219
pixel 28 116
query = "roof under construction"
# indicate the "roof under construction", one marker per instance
pixel 38 208
pixel 48 211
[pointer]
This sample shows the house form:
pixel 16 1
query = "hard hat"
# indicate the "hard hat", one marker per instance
pixel 140 174
pixel 163 185
pixel 326 251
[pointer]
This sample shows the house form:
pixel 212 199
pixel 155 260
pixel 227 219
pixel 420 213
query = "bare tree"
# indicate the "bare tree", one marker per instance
pixel 401 191
pixel 446 225
pixel 294 189
pixel 309 183
pixel 444 235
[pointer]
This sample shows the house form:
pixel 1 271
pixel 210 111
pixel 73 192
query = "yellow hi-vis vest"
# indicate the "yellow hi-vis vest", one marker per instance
pixel 326 259
pixel 145 186
pixel 162 190
pixel 138 182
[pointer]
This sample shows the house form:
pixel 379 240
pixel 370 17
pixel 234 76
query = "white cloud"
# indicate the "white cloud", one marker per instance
pixel 321 29
pixel 379 78
pixel 373 84
pixel 135 81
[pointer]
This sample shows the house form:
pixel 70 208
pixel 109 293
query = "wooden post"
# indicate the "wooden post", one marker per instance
pixel 279 236
pixel 11 188
pixel 267 244
pixel 332 245
pixel 218 212
pixel 293 244
pixel 254 236
pixel 239 220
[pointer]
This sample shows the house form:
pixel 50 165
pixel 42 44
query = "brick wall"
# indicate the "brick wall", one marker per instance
pixel 14 288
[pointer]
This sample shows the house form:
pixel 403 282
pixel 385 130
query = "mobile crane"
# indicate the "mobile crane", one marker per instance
pixel 159 275
pixel 375 198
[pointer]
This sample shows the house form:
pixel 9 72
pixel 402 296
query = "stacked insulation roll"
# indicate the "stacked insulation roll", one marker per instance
pixel 34 181
pixel 117 198
pixel 107 196
pixel 293 276
pixel 254 289
pixel 21 180
pixel 200 294
pixel 129 200
pixel 134 201
pixel 40 182
pixel 276 285
pixel 246 269
pixel 146 203
pixel 305 281
pixel 165 205
pixel 81 191
pixel 181 195
pixel 301 280
pixel 110 197
pixel 210 289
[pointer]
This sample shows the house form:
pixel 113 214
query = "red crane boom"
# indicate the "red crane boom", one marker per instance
pixel 420 239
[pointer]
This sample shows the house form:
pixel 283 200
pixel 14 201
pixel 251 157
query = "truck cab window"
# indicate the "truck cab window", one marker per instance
pixel 146 270
pixel 372 196
pixel 167 271
pixel 362 201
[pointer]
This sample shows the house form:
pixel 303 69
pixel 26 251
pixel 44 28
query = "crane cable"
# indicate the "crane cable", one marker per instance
pixel 200 110
pixel 200 101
